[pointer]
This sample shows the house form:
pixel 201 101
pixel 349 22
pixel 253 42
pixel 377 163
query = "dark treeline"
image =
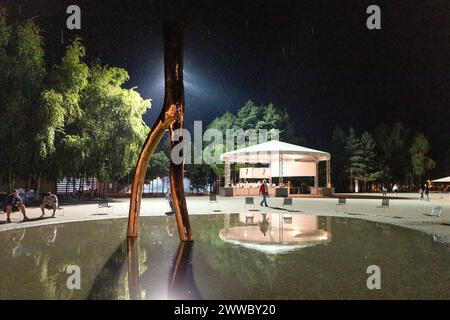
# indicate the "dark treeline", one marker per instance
pixel 70 119
pixel 390 155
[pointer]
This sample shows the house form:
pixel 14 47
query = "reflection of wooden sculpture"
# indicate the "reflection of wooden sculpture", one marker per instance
pixel 181 284
pixel 134 283
pixel 170 118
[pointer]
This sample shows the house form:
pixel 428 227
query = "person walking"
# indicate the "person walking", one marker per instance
pixel 169 200
pixel 384 190
pixel 422 192
pixel 264 190
pixel 395 189
pixel 427 192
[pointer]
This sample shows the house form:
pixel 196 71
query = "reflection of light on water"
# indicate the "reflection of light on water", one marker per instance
pixel 302 231
pixel 267 248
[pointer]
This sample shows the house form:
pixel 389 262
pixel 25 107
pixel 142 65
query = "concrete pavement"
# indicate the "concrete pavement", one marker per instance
pixel 410 213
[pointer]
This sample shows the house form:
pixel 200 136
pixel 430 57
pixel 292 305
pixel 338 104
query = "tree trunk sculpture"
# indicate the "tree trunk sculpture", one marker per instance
pixel 170 118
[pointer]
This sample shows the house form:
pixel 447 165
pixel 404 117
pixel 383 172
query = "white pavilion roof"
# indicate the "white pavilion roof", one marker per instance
pixel 446 179
pixel 271 150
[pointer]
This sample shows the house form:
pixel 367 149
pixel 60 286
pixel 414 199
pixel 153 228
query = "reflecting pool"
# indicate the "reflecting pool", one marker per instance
pixel 234 256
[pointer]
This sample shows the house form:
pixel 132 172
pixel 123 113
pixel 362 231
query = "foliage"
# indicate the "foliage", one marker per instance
pixel 353 156
pixel 420 162
pixel 339 159
pixel 158 165
pixel 368 170
pixel 249 117
pixel 75 120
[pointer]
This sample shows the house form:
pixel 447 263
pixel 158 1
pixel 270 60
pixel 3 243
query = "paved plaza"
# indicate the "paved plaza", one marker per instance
pixel 409 212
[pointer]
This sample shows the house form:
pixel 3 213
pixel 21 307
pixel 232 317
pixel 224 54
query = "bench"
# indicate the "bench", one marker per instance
pixel 212 200
pixel 436 211
pixel 384 204
pixel 342 202
pixel 249 201
pixel 103 204
pixel 249 218
pixel 287 202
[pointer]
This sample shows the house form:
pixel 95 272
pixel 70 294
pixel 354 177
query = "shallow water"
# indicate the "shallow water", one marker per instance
pixel 233 257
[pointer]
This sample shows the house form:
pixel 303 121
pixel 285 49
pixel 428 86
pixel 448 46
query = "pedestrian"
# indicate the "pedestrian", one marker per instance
pixel 14 203
pixel 49 202
pixel 169 200
pixel 422 192
pixel 395 189
pixel 384 190
pixel 264 190
pixel 427 192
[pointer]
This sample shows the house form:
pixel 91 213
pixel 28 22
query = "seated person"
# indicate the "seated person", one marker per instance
pixel 49 202
pixel 14 203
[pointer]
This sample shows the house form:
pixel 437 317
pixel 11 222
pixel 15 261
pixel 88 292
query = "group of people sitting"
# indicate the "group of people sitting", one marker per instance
pixel 14 203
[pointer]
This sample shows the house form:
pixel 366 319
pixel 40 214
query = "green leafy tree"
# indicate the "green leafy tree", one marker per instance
pixel 251 117
pixel 63 112
pixel 396 152
pixel 112 123
pixel 158 166
pixel 368 170
pixel 74 121
pixel 199 175
pixel 354 157
pixel 23 71
pixel 420 162
pixel 339 160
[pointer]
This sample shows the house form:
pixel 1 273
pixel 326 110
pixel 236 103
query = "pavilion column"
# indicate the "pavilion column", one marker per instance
pixel 316 177
pixel 227 173
pixel 328 162
pixel 280 169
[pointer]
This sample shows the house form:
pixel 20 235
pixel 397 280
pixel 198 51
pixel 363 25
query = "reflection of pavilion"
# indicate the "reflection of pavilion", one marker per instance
pixel 277 232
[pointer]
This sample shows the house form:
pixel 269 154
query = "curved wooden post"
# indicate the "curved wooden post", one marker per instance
pixel 171 118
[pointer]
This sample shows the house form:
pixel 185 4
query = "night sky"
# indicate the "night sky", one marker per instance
pixel 315 58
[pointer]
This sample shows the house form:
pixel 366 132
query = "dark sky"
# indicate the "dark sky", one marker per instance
pixel 315 58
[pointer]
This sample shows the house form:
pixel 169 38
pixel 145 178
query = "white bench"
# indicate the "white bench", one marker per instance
pixel 102 205
pixel 342 203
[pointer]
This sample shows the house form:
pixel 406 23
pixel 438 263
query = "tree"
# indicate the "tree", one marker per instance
pixel 269 117
pixel 112 120
pixel 368 170
pixel 396 152
pixel 73 121
pixel 61 101
pixel 250 117
pixel 158 166
pixel 420 162
pixel 353 155
pixel 338 142
pixel 199 175
pixel 23 71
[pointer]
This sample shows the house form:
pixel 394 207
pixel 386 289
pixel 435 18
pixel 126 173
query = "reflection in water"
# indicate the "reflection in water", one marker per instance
pixel 134 283
pixel 181 282
pixel 34 261
pixel 286 232
pixel 264 224
pixel 15 238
